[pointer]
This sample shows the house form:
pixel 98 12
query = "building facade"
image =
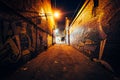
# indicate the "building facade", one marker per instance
pixel 25 27
pixel 95 30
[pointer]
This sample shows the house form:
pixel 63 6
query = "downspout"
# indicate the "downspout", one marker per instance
pixel 103 37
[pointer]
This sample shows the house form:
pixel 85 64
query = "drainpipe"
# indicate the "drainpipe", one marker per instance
pixel 102 46
pixel 103 36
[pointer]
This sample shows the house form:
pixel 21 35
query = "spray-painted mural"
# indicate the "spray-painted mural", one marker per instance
pixel 24 28
pixel 95 29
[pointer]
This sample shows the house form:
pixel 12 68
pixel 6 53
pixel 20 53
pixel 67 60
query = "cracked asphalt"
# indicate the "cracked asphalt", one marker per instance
pixel 61 62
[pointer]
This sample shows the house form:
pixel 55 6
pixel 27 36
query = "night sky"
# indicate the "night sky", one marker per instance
pixel 68 9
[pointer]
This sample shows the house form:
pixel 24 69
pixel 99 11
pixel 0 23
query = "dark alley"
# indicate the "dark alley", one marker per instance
pixel 59 39
pixel 61 62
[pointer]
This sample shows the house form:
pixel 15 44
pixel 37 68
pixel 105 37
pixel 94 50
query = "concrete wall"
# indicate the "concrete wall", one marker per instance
pixel 96 21
pixel 31 21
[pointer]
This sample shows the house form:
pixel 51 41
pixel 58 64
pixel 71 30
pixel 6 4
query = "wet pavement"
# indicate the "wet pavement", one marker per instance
pixel 60 62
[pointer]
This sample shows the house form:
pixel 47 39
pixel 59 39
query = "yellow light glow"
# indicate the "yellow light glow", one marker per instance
pixel 56 14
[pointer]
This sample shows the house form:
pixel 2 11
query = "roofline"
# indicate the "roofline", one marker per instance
pixel 80 11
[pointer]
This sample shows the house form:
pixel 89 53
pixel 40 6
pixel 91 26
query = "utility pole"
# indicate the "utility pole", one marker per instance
pixel 67 21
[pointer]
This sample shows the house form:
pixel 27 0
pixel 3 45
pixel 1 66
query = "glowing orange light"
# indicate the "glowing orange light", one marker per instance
pixel 56 14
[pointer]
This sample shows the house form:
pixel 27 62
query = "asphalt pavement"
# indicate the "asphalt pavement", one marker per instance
pixel 61 62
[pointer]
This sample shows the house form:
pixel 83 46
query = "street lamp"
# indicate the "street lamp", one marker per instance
pixel 56 16
pixel 56 31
